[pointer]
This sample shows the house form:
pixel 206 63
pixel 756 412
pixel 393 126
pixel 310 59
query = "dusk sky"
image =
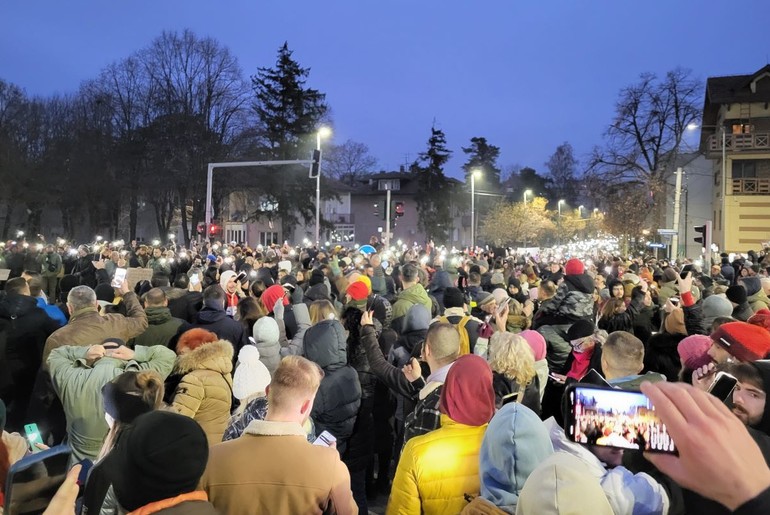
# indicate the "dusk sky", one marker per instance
pixel 527 75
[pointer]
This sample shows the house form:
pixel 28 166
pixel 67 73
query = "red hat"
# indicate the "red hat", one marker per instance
pixel 271 295
pixel 358 291
pixel 693 351
pixel 745 342
pixel 574 267
pixel 194 338
pixel 761 318
pixel 536 341
pixel 468 396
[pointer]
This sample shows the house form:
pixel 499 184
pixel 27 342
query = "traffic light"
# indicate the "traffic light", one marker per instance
pixel 315 166
pixel 213 229
pixel 399 209
pixel 377 209
pixel 705 235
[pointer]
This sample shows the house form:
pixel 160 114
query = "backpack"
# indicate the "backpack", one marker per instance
pixel 465 339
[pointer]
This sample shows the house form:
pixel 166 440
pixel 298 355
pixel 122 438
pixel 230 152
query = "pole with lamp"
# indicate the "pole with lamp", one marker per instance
pixel 558 220
pixel 323 132
pixel 526 192
pixel 474 173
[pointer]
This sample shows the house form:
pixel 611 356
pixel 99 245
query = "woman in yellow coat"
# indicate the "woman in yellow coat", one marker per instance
pixel 438 469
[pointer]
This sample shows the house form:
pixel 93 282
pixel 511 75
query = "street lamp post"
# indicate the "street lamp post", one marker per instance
pixel 526 192
pixel 558 220
pixel 323 132
pixel 474 174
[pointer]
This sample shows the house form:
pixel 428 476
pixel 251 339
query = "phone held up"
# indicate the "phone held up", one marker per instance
pixel 723 386
pixel 33 437
pixel 607 417
pixel 325 439
pixel 120 276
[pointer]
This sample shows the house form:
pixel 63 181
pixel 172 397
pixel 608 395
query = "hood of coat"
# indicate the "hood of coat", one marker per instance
pixel 158 315
pixel 14 305
pixel 175 293
pixel 210 315
pixel 216 356
pixel 415 295
pixel 583 283
pixel 515 443
pixel 266 331
pixel 753 285
pixel 326 344
pixel 318 292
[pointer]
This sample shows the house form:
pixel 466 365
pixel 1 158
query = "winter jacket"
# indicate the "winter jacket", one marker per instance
pixel 573 300
pixel 756 296
pixel 88 327
pixel 301 477
pixel 217 321
pixel 438 283
pixel 406 299
pixel 541 367
pixel 79 383
pixel 50 264
pixel 623 321
pixel 379 285
pixel 161 329
pixel 192 503
pixel 339 396
pixel 256 409
pixel 743 312
pixel 205 390
pixel 514 445
pixel 666 291
pixel 424 483
pixel 660 355
pixel 267 338
pixel 295 345
pixel 84 270
pixel 183 304
pixel 505 387
pixel 53 312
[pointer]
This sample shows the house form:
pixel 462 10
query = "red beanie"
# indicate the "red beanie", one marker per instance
pixel 574 267
pixel 536 341
pixel 271 295
pixel 194 338
pixel 744 341
pixel 693 351
pixel 358 291
pixel 761 318
pixel 467 396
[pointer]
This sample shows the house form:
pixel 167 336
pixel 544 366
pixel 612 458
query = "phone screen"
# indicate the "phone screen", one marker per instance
pixel 326 439
pixel 194 279
pixel 120 276
pixel 607 417
pixel 33 437
pixel 723 386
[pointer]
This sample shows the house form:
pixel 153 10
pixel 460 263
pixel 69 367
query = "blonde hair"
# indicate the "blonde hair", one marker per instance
pixel 295 376
pixel 511 356
pixel 515 307
pixel 320 311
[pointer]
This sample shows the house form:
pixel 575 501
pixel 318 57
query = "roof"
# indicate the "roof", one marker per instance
pixel 368 184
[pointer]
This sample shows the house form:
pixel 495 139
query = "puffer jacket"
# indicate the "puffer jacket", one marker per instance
pixel 756 296
pixel 424 483
pixel 573 300
pixel 267 336
pixel 406 299
pixel 339 396
pixel 205 391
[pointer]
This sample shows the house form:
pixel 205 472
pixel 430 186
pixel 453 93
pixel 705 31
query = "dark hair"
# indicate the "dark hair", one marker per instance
pixel 159 280
pixel 718 322
pixel 249 311
pixel 155 297
pixel 16 285
pixel 409 273
pixel 182 281
pixel 748 373
pixel 214 296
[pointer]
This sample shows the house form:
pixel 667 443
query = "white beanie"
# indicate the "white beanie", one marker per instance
pixel 266 330
pixel 285 266
pixel 251 375
pixel 224 278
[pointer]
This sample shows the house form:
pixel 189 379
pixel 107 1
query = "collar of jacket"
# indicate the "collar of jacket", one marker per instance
pixel 155 507
pixel 274 428
pixel 84 312
pixel 455 312
pixel 446 421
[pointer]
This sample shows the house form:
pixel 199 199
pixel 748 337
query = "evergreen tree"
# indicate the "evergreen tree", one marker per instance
pixel 483 156
pixel 433 203
pixel 289 115
pixel 562 166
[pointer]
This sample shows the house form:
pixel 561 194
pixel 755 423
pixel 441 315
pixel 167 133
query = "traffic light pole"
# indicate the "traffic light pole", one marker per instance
pixel 675 226
pixel 387 218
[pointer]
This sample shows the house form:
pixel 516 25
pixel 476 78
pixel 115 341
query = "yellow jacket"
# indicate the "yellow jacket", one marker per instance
pixel 437 469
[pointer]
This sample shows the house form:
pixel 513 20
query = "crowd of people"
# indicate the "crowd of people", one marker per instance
pixel 279 379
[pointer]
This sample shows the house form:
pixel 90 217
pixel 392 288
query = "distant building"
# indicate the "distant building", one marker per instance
pixel 695 201
pixel 737 111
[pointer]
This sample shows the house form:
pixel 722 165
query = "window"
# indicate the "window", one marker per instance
pixel 742 128
pixel 744 169
pixel 389 184
pixel 268 238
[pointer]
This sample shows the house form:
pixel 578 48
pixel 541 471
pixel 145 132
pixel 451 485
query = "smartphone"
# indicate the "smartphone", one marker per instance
pixel 241 277
pixel 33 437
pixel 501 307
pixel 120 276
pixel 674 300
pixel 620 419
pixel 723 386
pixel 370 302
pixel 511 397
pixel 325 439
pixel 195 279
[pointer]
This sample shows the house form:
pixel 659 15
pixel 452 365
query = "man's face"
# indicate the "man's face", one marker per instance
pixel 748 403
pixel 489 307
pixel 369 271
pixel 618 291
pixel 197 262
pixel 82 252
pixel 621 270
pixel 718 354
pixel 554 267
pixel 599 282
pixel 715 270
pixel 231 285
pixel 156 253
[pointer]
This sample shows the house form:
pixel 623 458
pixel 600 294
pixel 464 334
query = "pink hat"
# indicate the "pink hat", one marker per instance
pixel 536 341
pixel 693 351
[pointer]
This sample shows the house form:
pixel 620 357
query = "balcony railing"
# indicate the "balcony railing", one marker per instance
pixel 757 141
pixel 341 218
pixel 751 187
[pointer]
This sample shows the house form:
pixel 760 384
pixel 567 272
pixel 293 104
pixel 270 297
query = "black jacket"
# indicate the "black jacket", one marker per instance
pixel 505 387
pixel 217 321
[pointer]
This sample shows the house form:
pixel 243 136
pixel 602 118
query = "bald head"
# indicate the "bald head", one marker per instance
pixel 444 342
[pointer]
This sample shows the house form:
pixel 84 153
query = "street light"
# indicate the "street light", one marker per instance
pixel 323 132
pixel 558 220
pixel 474 173
pixel 526 192
pixel 580 211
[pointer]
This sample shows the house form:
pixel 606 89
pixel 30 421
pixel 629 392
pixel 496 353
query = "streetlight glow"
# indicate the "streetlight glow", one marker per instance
pixel 692 126
pixel 324 132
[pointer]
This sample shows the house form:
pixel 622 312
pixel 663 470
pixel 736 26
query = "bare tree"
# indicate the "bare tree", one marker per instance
pixel 348 162
pixel 646 134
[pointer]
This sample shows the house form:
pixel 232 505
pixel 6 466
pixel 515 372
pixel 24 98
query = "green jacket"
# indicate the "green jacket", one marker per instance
pixel 162 327
pixel 759 301
pixel 406 299
pixel 50 264
pixel 79 387
pixel 159 266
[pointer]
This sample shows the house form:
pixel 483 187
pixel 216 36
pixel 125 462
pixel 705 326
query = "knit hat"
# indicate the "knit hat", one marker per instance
pixel 537 342
pixel 289 282
pixel 316 277
pixel 225 277
pixel 574 267
pixel 744 341
pixel 580 329
pixel 500 296
pixel 669 275
pixel 160 456
pixel 484 298
pixel 194 338
pixel 513 281
pixel 357 291
pixel 266 330
pixel 285 266
pixel 467 396
pixel 123 399
pixel 271 295
pixel 453 298
pixel 737 293
pixel 674 323
pixel 417 318
pixel 716 306
pixel 251 375
pixel 105 292
pixel 693 351
pixel 368 282
pixel 761 318
pixel 497 278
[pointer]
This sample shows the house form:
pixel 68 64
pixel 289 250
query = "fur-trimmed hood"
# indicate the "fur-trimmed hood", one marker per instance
pixel 216 356
pixel 272 428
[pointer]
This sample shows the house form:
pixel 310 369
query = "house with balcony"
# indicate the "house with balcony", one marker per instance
pixel 735 136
